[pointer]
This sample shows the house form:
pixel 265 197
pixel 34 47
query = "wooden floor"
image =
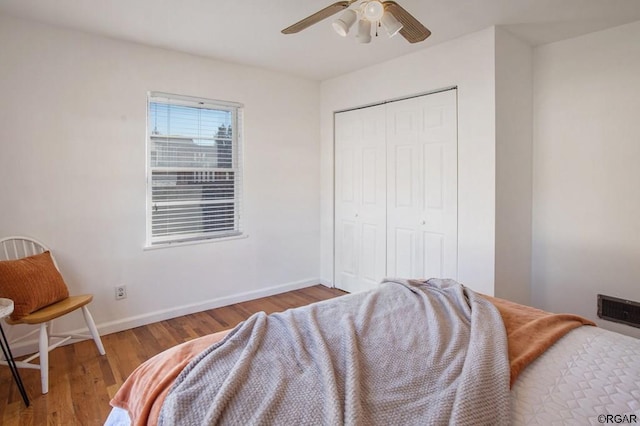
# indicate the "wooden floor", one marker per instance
pixel 81 382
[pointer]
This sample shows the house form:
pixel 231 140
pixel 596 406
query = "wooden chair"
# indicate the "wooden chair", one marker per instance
pixel 16 248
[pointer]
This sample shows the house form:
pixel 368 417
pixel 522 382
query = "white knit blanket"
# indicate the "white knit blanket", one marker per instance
pixel 408 352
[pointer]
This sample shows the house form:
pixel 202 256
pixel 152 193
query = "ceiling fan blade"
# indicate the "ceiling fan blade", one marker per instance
pixel 412 29
pixel 317 17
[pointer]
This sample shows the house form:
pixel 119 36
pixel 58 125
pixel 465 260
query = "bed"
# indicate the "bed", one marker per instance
pixel 408 352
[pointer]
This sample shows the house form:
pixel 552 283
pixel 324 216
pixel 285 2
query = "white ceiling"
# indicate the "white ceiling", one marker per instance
pixel 248 31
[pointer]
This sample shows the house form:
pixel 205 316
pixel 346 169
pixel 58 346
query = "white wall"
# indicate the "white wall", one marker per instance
pixel 72 172
pixel 468 63
pixel 586 193
pixel 514 134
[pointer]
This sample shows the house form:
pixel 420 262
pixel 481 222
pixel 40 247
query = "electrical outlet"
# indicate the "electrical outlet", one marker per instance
pixel 121 292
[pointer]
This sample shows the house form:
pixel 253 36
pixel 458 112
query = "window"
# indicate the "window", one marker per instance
pixel 194 179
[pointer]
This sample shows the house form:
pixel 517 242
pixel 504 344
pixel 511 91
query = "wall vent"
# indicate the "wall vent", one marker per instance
pixel 619 310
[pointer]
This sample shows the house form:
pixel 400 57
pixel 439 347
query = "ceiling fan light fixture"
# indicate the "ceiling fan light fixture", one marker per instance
pixel 373 10
pixel 364 31
pixel 368 13
pixel 390 24
pixel 345 22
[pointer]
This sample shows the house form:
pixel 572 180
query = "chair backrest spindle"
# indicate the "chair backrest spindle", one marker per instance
pixel 15 249
pixel 4 248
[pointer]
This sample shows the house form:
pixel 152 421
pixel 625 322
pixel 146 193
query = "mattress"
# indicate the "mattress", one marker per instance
pixel 587 374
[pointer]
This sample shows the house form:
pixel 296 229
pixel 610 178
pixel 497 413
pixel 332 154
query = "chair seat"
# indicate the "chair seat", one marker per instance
pixel 54 311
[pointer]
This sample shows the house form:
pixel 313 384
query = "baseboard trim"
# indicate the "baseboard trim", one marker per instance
pixel 109 327
pixel 326 283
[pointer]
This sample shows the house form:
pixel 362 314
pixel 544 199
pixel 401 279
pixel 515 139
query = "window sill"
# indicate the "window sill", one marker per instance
pixel 194 242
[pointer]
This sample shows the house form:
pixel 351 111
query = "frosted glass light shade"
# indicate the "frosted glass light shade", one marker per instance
pixel 390 24
pixel 344 22
pixel 373 11
pixel 364 31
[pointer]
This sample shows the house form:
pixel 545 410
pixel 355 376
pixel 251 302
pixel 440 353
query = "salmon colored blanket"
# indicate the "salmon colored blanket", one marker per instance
pixel 530 332
pixel 144 391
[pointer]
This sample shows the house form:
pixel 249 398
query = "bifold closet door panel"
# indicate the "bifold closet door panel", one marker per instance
pixel 422 186
pixel 360 199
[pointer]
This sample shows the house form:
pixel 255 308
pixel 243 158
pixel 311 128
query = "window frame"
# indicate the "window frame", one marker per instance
pixel 237 167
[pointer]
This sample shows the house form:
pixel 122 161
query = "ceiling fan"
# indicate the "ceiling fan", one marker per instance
pixel 387 14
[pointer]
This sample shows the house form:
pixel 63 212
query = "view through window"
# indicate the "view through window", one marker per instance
pixel 194 176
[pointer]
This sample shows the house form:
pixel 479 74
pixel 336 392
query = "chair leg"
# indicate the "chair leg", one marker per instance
pixel 6 351
pixel 92 328
pixel 44 358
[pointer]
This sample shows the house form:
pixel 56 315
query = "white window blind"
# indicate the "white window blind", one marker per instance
pixel 194 174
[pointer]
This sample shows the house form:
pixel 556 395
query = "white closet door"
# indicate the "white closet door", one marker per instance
pixel 360 198
pixel 422 187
